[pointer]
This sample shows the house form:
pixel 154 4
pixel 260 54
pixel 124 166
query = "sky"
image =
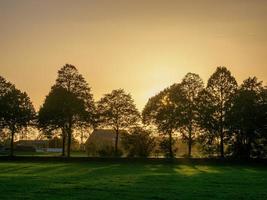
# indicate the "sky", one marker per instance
pixel 141 46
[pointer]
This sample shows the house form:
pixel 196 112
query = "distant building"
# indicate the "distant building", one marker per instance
pixel 37 146
pixel 3 149
pixel 100 139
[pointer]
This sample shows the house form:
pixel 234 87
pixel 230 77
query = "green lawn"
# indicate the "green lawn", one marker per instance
pixel 25 180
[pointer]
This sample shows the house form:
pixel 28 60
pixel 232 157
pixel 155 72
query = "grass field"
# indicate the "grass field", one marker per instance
pixel 106 180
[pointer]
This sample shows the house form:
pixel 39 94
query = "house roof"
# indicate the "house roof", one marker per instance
pixel 31 142
pixel 104 134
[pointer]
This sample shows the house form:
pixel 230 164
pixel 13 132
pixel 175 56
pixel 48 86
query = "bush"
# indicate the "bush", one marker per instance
pixel 138 143
pixel 109 151
pixel 25 148
pixel 164 146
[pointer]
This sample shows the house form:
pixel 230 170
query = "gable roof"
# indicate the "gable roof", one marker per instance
pixel 31 142
pixel 104 134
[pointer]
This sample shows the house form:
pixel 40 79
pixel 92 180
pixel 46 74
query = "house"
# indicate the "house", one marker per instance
pixel 31 145
pixel 3 149
pixel 38 146
pixel 101 139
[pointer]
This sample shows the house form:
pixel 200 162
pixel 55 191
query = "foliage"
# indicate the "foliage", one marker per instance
pixel 139 142
pixel 68 105
pixel 187 110
pixel 176 109
pixel 117 111
pixel 247 120
pixel 160 111
pixel 16 110
pixel 164 145
pixel 109 151
pixel 220 90
pixel 208 137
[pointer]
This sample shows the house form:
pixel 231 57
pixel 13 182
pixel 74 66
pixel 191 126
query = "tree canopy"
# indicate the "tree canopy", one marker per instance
pixel 16 110
pixel 223 118
pixel 187 115
pixel 247 120
pixel 69 104
pixel 161 111
pixel 222 87
pixel 117 111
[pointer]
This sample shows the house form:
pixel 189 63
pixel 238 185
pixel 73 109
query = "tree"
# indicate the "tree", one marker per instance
pixel 160 111
pixel 187 112
pixel 247 119
pixel 118 111
pixel 5 87
pixel 139 142
pixel 54 114
pixel 208 123
pixel 16 110
pixel 69 104
pixel 222 87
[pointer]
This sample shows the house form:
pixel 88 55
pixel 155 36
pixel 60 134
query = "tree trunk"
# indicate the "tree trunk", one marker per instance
pixel 221 143
pixel 82 145
pixel 69 143
pixel 63 141
pixel 116 142
pixel 170 145
pixel 190 142
pixel 69 137
pixel 12 142
pixel 249 148
pixel 221 133
pixel 221 125
pixel 189 145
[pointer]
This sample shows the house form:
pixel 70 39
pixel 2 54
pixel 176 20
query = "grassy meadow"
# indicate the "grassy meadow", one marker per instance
pixel 111 180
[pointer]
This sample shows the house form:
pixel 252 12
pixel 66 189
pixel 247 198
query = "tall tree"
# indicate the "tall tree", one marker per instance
pixel 222 86
pixel 69 104
pixel 187 115
pixel 53 115
pixel 118 111
pixel 247 119
pixel 16 110
pixel 161 111
pixel 5 87
pixel 208 123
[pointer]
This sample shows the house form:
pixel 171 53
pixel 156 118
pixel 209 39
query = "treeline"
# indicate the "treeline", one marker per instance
pixel 220 115
pixel 224 118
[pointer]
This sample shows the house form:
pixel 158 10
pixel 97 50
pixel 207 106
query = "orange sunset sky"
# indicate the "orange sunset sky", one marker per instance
pixel 142 46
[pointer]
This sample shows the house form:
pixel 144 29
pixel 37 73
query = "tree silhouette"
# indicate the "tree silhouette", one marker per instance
pixel 221 86
pixel 160 111
pixel 187 115
pixel 118 111
pixel 247 119
pixel 5 87
pixel 55 112
pixel 69 104
pixel 208 123
pixel 16 110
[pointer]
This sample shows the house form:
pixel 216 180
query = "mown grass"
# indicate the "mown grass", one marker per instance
pixel 122 181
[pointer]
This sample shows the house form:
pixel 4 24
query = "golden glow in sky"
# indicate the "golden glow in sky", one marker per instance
pixel 142 46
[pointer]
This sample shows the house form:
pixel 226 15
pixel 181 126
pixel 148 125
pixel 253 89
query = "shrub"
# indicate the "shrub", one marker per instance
pixel 25 148
pixel 165 145
pixel 138 143
pixel 109 151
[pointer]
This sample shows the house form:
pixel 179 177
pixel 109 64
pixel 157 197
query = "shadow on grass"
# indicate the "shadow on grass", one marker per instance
pixel 98 180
